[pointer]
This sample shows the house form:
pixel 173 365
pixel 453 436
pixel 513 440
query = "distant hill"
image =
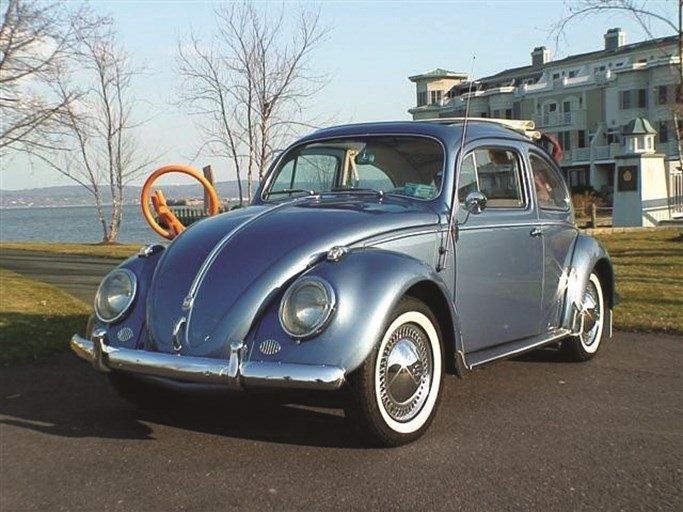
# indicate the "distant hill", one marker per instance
pixel 74 195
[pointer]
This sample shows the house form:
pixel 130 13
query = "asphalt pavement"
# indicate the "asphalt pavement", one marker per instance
pixel 533 433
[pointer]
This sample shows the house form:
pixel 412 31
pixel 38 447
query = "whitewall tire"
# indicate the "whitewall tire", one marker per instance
pixel 587 342
pixel 395 393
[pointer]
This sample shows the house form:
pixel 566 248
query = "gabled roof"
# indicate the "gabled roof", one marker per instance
pixel 529 71
pixel 438 73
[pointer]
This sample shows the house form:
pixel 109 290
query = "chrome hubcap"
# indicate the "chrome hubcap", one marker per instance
pixel 590 315
pixel 405 372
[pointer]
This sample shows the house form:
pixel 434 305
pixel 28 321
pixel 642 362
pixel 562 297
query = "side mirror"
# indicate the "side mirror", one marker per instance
pixel 475 202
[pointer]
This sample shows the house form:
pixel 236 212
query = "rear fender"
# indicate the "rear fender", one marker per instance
pixel 589 255
pixel 368 284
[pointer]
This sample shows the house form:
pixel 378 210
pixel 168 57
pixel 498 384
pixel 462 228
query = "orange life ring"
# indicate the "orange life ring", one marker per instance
pixel 163 212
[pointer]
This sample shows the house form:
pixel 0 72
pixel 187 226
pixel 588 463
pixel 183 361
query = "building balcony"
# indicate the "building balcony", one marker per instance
pixel 600 154
pixel 575 119
pixel 609 152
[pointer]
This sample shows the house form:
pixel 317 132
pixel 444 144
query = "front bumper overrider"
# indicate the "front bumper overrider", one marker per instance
pixel 234 373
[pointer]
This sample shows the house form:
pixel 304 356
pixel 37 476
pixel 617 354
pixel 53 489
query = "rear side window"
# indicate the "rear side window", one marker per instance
pixel 496 172
pixel 551 192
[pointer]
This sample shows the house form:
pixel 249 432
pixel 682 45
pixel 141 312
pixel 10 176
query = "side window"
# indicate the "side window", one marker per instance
pixel 307 172
pixel 496 172
pixel 550 189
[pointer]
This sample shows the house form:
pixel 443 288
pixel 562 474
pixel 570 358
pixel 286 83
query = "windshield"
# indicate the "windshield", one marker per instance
pixel 404 165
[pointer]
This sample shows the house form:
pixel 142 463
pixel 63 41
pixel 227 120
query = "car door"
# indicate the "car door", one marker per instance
pixel 498 253
pixel 558 232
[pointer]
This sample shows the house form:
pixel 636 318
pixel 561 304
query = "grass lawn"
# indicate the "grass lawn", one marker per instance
pixel 36 319
pixel 119 251
pixel 649 273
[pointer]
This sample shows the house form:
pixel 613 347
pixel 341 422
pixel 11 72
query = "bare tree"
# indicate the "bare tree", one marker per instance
pixel 95 135
pixel 249 85
pixel 645 14
pixel 36 40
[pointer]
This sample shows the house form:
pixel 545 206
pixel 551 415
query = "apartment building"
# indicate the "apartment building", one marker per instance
pixel 588 101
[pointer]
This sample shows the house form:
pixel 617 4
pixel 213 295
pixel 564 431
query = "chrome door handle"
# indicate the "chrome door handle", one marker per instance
pixel 536 232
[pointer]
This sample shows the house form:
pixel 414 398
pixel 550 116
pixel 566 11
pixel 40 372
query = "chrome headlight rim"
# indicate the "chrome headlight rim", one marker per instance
pixel 330 307
pixel 126 309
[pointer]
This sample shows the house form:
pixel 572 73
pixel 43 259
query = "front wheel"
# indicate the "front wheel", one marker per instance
pixel 585 344
pixel 396 391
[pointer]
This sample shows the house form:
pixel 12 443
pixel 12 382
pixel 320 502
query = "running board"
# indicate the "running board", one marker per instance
pixel 514 348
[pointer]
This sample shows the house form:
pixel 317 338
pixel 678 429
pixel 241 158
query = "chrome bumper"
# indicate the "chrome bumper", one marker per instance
pixel 233 373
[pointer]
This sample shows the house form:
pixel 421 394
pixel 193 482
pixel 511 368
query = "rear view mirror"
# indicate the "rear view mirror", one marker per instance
pixel 475 202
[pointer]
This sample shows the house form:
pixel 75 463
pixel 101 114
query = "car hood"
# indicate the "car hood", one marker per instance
pixel 236 262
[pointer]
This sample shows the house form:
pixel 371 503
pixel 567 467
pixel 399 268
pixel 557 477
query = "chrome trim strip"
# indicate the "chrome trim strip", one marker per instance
pixel 188 302
pixel 233 373
pixel 292 376
pixel 227 238
pixel 520 224
pixel 555 336
pixel 399 235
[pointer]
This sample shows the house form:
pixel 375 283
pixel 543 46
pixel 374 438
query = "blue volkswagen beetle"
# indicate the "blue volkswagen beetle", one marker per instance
pixel 374 259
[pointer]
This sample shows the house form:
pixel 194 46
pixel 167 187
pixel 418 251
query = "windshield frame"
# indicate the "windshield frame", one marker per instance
pixel 262 195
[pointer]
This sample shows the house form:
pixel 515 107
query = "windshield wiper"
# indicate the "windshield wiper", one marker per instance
pixel 290 191
pixel 378 193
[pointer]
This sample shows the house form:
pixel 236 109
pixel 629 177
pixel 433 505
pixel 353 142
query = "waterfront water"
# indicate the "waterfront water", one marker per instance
pixel 75 224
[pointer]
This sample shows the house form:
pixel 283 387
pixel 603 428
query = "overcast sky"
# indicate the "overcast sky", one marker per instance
pixel 371 50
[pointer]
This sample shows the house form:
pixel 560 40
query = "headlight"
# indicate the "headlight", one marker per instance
pixel 307 307
pixel 115 295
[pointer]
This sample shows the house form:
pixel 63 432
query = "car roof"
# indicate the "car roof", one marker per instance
pixel 447 130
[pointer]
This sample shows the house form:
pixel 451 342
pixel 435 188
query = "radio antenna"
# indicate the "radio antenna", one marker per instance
pixel 451 219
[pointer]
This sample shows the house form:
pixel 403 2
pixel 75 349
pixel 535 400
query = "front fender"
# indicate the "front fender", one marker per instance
pixel 589 255
pixel 130 331
pixel 368 284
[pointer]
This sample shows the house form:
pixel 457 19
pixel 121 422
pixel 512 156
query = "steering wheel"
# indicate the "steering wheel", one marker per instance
pixel 163 212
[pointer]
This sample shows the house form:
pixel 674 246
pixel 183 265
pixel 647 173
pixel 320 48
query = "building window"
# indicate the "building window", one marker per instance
pixel 565 140
pixel 556 76
pixel 435 97
pixel 581 138
pixel 516 110
pixel 572 74
pixel 496 114
pixel 662 95
pixel 567 106
pixel 508 113
pixel 613 136
pixel 635 98
pixel 421 98
pixel 663 132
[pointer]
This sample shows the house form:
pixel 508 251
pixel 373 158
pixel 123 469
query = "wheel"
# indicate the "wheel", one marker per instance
pixel 395 393
pixel 137 392
pixel 586 344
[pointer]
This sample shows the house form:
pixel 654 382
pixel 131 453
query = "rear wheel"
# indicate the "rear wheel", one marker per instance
pixel 586 343
pixel 396 391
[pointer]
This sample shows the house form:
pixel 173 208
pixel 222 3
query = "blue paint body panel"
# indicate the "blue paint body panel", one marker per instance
pixel 494 281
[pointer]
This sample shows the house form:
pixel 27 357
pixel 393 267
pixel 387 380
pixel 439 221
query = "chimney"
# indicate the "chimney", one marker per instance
pixel 540 56
pixel 614 38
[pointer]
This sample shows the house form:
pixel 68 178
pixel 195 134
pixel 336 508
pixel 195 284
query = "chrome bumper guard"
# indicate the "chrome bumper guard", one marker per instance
pixel 233 373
